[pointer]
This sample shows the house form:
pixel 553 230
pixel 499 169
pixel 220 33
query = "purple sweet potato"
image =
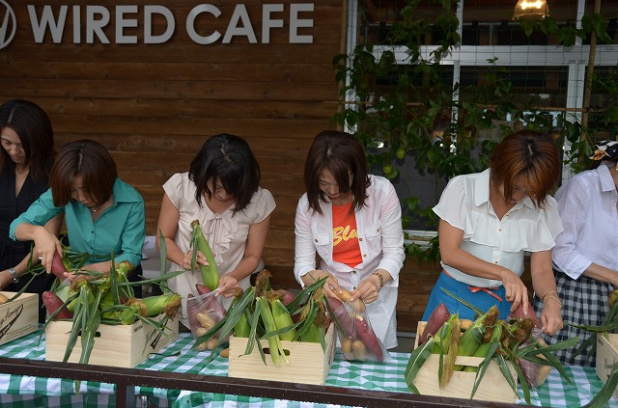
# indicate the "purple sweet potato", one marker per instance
pixel 366 334
pixel 287 298
pixel 436 319
pixel 52 303
pixel 58 267
pixel 342 316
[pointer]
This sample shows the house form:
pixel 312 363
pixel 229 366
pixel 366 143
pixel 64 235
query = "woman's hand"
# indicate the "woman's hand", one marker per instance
pixel 516 291
pixel 227 286
pixel 199 260
pixel 331 286
pixel 368 290
pixel 45 245
pixel 551 317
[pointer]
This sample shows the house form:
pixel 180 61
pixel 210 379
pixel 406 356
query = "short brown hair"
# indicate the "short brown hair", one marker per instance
pixel 341 154
pixel 529 154
pixel 91 161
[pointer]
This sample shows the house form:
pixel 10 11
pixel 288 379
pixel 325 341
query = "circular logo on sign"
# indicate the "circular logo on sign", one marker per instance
pixel 8 24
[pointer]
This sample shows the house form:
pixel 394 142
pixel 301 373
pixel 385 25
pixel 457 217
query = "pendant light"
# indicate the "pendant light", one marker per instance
pixel 531 9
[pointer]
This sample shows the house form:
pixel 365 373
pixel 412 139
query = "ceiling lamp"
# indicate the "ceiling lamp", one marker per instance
pixel 531 9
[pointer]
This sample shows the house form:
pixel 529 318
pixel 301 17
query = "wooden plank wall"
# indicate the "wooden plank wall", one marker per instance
pixel 153 106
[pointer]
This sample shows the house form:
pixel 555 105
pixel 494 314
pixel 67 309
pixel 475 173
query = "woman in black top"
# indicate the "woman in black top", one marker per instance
pixel 26 158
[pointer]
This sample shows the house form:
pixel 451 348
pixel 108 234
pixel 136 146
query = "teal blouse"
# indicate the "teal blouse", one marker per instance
pixel 120 228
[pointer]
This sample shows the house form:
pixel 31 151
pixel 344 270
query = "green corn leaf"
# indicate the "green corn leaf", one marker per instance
pixel 307 291
pixel 504 369
pixel 308 321
pixel 607 327
pixel 235 312
pixel 253 337
pixel 523 382
pixel 418 356
pixel 476 310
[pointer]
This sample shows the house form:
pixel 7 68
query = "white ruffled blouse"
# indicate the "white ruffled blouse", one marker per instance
pixel 465 205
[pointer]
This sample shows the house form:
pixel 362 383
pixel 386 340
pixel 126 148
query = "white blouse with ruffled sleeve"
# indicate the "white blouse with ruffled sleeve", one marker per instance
pixel 465 205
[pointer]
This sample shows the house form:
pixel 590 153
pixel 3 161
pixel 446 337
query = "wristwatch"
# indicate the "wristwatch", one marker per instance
pixel 13 273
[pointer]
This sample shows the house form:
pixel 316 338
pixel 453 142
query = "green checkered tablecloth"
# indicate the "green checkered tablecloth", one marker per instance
pixel 28 391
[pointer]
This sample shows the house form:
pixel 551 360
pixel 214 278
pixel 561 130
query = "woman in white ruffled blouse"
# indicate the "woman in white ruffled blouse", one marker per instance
pixel 222 191
pixel 489 220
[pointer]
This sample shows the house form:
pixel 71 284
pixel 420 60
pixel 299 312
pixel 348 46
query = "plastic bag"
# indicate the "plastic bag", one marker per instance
pixel 535 374
pixel 356 336
pixel 204 312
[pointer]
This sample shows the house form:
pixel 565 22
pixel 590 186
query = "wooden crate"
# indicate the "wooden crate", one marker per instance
pixel 494 386
pixel 115 346
pixel 19 317
pixel 607 356
pixel 309 363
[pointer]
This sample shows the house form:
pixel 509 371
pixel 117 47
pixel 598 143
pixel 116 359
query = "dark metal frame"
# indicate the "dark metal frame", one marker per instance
pixel 125 380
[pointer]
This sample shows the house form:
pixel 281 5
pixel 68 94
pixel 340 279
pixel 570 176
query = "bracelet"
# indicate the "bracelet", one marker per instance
pixel 551 295
pixel 379 275
pixel 14 274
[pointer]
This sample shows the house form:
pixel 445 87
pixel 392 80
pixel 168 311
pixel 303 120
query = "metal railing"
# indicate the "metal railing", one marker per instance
pixel 126 379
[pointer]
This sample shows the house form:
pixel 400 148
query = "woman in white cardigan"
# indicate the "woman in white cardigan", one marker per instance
pixel 352 220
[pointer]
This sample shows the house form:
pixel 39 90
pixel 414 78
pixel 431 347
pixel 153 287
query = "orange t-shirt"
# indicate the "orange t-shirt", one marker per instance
pixel 345 238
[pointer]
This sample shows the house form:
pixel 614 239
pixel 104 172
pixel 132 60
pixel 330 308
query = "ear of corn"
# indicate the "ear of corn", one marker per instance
pixel 473 336
pixel 283 320
pixel 274 343
pixel 446 344
pixel 166 303
pixel 242 327
pixel 210 273
pixel 486 349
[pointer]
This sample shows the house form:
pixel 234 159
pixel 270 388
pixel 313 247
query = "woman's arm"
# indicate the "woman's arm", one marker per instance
pixel 544 286
pixel 53 226
pixel 393 254
pixel 601 273
pixel 250 260
pixel 167 225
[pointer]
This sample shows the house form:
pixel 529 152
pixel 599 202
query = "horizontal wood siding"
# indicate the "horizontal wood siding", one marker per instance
pixel 153 106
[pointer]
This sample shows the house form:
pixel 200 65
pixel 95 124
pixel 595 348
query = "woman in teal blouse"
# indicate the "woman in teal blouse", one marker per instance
pixel 102 212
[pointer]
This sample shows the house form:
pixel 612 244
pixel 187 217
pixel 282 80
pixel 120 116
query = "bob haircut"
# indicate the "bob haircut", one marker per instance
pixel 343 156
pixel 36 135
pixel 90 161
pixel 229 159
pixel 531 155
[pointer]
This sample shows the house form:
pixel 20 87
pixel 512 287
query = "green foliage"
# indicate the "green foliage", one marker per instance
pixel 440 128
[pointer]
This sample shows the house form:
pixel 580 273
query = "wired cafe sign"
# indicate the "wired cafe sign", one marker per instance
pixel 88 23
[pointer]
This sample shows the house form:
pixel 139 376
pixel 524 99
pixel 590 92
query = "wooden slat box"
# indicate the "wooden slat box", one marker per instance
pixel 494 386
pixel 19 317
pixel 607 356
pixel 309 363
pixel 115 346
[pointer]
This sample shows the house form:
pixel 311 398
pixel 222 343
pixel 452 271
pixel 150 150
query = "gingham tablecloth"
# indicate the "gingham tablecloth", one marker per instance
pixel 28 391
